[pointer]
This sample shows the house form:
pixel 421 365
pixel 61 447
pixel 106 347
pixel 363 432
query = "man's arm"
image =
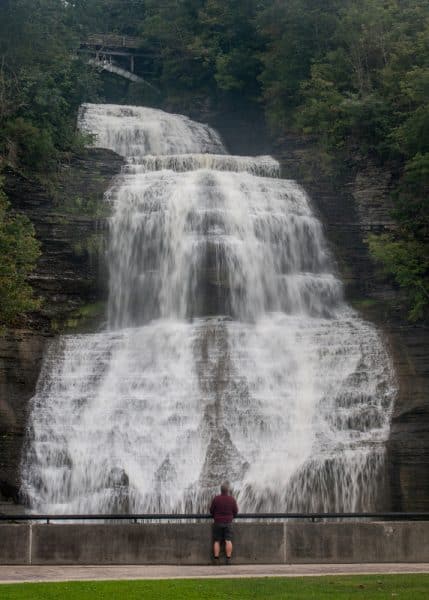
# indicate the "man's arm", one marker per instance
pixel 235 508
pixel 212 507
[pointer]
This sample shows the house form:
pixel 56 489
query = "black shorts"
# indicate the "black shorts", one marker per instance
pixel 222 532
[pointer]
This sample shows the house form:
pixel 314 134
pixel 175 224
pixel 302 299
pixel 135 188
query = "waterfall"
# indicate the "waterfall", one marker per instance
pixel 229 351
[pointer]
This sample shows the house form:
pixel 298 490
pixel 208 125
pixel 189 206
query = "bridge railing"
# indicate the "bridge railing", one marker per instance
pixel 112 41
pixel 135 518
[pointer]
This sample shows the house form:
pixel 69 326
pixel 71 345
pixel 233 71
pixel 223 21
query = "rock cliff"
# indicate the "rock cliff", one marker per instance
pixel 70 279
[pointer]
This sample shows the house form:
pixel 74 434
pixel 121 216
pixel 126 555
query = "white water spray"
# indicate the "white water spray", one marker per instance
pixel 229 351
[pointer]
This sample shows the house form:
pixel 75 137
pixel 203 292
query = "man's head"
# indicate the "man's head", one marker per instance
pixel 224 488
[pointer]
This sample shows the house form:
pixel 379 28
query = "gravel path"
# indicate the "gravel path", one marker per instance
pixel 15 574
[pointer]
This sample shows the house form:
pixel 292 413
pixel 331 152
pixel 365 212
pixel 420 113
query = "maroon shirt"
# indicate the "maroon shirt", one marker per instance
pixel 223 508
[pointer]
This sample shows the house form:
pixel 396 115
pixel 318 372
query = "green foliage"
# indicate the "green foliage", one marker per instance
pixel 19 251
pixel 408 261
pixel 29 146
pixel 371 86
pixel 405 254
pixel 42 84
pixel 227 30
pixel 297 33
pixel 355 74
pixel 180 65
pixel 83 318
pixel 195 50
pixel 412 199
pixel 88 205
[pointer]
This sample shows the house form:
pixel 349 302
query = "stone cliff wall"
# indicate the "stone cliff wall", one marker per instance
pixel 70 278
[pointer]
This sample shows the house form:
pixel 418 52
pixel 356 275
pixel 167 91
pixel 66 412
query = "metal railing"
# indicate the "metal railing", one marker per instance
pixel 135 518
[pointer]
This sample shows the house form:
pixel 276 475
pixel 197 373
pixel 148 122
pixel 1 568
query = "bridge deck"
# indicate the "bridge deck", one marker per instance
pixel 112 41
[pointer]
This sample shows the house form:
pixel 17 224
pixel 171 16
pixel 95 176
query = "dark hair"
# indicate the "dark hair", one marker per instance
pixel 224 488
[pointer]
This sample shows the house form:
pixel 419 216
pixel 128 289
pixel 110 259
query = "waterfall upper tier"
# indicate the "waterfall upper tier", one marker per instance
pixel 209 242
pixel 137 131
pixel 230 352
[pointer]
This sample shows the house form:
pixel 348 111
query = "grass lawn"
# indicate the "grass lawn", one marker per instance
pixel 393 587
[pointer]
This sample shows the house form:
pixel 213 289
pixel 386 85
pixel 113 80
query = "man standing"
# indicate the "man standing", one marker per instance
pixel 223 510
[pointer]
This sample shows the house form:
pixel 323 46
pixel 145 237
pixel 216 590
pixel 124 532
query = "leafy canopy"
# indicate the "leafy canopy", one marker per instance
pixel 19 251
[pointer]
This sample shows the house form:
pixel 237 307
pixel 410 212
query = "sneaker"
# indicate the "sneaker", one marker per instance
pixel 228 560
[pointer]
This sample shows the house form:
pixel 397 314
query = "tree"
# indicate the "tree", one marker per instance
pixel 42 84
pixel 297 33
pixel 19 251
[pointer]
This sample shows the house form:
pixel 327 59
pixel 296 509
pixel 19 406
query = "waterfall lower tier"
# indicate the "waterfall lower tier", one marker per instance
pixel 292 411
pixel 229 353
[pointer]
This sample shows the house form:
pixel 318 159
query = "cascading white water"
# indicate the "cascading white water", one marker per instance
pixel 229 351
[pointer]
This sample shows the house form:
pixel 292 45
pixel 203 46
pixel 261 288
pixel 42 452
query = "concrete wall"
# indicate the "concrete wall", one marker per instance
pixel 187 544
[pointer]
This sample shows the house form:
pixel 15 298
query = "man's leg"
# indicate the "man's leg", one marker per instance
pixel 228 541
pixel 216 540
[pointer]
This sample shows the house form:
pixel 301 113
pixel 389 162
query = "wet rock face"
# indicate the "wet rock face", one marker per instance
pixel 408 447
pixel 350 207
pixel 70 278
pixel 20 358
pixel 223 461
pixel 71 228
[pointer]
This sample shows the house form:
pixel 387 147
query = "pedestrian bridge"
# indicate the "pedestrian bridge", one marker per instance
pixel 116 54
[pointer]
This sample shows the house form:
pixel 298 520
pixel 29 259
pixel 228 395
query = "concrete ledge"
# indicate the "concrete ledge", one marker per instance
pixel 110 544
pixel 190 544
pixel 165 543
pixel 15 544
pixel 357 542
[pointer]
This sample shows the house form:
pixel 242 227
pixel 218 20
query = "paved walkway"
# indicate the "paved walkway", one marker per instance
pixel 15 574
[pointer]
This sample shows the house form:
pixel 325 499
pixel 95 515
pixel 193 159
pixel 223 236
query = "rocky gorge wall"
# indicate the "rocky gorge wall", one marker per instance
pixel 70 279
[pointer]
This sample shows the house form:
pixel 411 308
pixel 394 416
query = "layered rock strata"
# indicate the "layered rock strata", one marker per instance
pixel 69 279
